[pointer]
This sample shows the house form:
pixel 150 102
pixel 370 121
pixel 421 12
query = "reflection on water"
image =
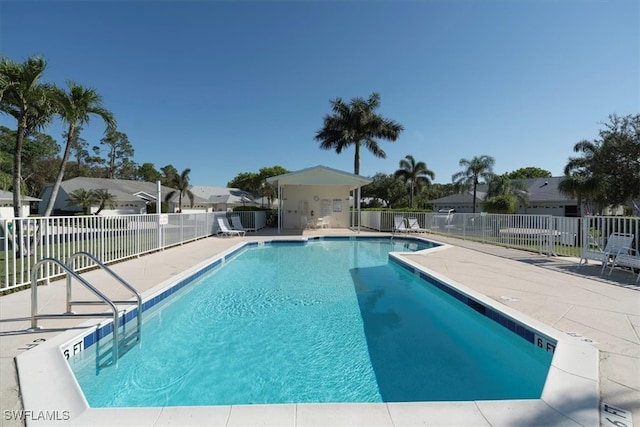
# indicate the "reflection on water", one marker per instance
pixel 426 346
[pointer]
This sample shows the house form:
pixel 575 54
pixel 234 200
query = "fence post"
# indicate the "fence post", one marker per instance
pixel 483 216
pixel 551 236
pixel 464 226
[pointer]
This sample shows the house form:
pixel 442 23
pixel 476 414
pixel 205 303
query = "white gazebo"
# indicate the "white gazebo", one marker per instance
pixel 309 194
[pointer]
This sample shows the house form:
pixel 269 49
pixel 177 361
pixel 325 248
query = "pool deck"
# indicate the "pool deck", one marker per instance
pixel 553 291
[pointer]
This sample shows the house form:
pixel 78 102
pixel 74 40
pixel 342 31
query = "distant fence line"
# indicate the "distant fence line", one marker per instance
pixel 545 234
pixel 25 241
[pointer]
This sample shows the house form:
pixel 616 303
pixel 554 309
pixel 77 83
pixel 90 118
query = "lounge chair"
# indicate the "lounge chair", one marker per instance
pixel 627 258
pixel 414 226
pixel 399 224
pixel 617 243
pixel 236 223
pixel 225 230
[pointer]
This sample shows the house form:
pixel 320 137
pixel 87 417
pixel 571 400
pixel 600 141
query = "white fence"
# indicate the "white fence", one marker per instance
pixel 25 241
pixel 544 234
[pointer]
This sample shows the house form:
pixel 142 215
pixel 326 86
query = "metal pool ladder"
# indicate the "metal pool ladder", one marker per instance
pixel 71 274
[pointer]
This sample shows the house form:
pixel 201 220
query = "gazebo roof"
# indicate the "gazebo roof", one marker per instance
pixel 320 175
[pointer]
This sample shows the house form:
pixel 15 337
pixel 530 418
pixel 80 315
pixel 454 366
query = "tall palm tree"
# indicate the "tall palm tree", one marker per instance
pixel 29 102
pixel 75 108
pixel 181 184
pixel 415 173
pixel 104 199
pixel 357 124
pixel 475 169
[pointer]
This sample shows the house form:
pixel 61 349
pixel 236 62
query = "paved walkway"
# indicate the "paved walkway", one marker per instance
pixel 551 290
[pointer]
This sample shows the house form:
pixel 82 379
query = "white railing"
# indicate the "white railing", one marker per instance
pixel 544 234
pixel 25 241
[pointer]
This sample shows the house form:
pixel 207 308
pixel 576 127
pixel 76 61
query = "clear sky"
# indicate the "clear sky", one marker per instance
pixel 224 87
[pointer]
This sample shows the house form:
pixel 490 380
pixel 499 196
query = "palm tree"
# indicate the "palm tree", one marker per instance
pixel 29 102
pixel 476 168
pixel 181 184
pixel 75 108
pixel 104 198
pixel 357 124
pixel 582 188
pixel 504 194
pixel 83 198
pixel 583 175
pixel 415 173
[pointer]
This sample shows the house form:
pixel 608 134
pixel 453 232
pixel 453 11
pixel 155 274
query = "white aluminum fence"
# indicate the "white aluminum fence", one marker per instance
pixel 544 234
pixel 25 241
pixel 113 238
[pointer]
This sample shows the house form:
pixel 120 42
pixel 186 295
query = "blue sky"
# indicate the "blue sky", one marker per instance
pixel 224 87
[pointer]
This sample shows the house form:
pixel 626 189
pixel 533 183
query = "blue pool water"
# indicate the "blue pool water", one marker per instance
pixel 325 321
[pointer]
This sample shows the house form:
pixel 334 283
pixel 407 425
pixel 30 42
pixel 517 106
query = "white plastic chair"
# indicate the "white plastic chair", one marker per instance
pixel 617 243
pixel 414 226
pixel 399 224
pixel 225 229
pixel 629 258
pixel 236 223
pixel 324 222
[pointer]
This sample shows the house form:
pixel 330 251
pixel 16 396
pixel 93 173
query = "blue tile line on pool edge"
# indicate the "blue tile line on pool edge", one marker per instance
pixel 104 330
pixel 515 327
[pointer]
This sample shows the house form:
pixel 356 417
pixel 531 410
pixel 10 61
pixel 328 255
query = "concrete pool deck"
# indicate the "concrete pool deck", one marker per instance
pixel 550 290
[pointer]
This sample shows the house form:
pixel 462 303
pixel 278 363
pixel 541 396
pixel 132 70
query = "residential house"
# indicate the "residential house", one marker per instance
pixel 222 198
pixel 132 197
pixel 6 205
pixel 542 193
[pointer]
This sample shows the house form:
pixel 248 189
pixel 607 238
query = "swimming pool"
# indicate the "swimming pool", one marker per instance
pixel 362 329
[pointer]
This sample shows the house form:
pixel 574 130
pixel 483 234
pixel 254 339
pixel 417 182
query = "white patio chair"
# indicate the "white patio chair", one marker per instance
pixel 627 258
pixel 236 223
pixel 324 222
pixel 414 226
pixel 225 229
pixel 617 243
pixel 399 224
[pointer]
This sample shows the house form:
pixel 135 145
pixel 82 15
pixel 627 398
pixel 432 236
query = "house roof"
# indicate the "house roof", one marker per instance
pixel 460 198
pixel 231 196
pixel 8 195
pixel 546 190
pixel 538 190
pixel 123 190
pixel 320 175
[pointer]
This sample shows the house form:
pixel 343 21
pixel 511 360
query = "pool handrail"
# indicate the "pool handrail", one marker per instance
pixel 112 274
pixel 70 273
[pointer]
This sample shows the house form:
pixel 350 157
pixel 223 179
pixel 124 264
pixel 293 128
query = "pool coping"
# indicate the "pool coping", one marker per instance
pixel 570 395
